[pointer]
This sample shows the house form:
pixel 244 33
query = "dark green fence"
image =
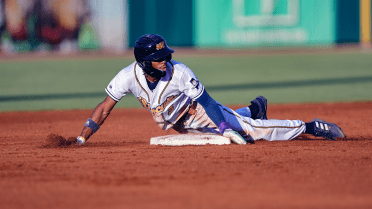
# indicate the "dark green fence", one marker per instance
pixel 171 19
pixel 347 21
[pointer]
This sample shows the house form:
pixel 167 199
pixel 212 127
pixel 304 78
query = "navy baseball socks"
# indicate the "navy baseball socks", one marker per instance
pixel 258 108
pixel 318 127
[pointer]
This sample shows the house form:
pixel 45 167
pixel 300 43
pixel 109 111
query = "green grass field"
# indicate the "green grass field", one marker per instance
pixel 302 78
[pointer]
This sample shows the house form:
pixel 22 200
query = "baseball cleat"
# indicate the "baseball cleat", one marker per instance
pixel 248 139
pixel 327 130
pixel 261 102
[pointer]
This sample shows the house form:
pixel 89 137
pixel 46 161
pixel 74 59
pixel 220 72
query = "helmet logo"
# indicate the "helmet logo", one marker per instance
pixel 160 45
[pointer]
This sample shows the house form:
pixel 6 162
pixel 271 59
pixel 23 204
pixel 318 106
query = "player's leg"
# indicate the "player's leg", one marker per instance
pixel 244 111
pixel 263 129
pixel 271 130
pixel 257 109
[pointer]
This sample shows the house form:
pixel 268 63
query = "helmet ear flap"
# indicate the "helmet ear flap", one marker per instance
pixel 168 58
pixel 149 70
pixel 148 66
pixel 145 65
pixel 141 64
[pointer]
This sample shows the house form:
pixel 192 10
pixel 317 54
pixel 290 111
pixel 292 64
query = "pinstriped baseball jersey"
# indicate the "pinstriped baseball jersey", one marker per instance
pixel 171 98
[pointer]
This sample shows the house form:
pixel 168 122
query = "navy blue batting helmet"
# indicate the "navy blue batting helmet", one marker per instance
pixel 151 47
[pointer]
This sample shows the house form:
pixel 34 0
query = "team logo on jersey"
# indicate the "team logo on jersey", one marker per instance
pixel 160 108
pixel 194 83
pixel 160 45
pixel 144 103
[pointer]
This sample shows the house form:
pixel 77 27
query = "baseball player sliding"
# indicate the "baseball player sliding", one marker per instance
pixel 177 99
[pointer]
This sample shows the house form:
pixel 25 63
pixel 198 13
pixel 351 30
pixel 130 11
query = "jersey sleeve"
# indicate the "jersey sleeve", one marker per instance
pixel 190 85
pixel 119 86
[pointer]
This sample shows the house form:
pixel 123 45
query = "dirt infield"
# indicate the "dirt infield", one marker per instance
pixel 117 168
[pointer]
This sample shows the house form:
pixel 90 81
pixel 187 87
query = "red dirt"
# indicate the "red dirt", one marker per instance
pixel 118 168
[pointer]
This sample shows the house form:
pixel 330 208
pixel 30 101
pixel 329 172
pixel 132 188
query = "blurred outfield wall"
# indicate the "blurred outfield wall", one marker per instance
pixel 251 23
pixel 247 23
pixel 114 25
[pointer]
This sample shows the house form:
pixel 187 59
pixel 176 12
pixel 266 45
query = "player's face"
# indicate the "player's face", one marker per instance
pixel 160 64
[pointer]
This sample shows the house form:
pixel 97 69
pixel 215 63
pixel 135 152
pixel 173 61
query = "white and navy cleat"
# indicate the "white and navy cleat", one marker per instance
pixel 327 130
pixel 234 136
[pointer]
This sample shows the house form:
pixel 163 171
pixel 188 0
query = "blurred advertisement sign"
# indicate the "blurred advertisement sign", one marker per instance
pixel 264 22
pixel 265 13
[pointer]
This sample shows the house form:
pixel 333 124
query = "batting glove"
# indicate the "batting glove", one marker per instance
pixel 80 140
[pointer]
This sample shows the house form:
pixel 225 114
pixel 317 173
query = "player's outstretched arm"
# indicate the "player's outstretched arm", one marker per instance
pixel 99 115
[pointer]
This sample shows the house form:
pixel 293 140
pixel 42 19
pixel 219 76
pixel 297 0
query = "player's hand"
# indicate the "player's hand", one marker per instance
pixel 80 140
pixel 234 136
